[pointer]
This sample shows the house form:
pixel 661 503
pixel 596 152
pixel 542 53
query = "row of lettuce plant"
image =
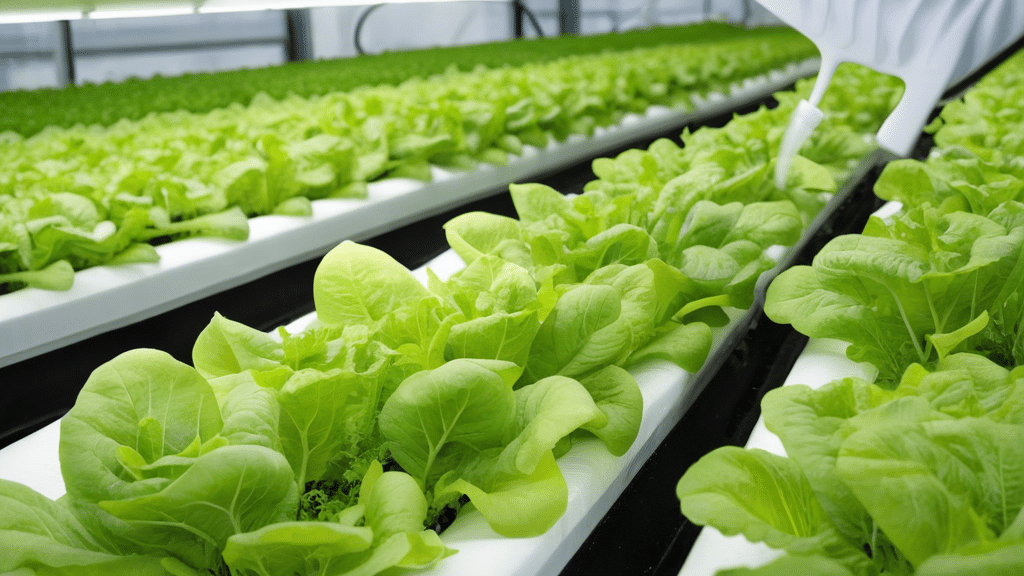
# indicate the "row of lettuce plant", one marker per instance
pixel 28 112
pixel 88 195
pixel 921 471
pixel 336 449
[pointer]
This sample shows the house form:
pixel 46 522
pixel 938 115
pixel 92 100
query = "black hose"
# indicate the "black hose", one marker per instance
pixel 366 14
pixel 359 28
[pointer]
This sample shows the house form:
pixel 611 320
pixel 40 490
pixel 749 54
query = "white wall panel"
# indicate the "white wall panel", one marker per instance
pixel 117 67
pixel 409 26
pixel 27 73
pixel 332 30
pixel 128 33
pixel 26 56
pixel 116 49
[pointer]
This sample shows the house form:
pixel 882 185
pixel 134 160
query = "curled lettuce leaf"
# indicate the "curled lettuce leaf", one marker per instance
pixel 122 439
pixel 38 535
pixel 356 284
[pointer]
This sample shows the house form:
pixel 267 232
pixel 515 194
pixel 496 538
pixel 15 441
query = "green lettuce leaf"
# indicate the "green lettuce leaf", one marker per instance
pixel 356 284
pixel 38 535
pixel 134 411
pixel 751 492
pixel 435 418
pixel 231 490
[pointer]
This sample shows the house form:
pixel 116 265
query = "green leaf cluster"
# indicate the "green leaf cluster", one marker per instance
pixel 735 162
pixel 915 289
pixel 701 216
pixel 945 274
pixel 985 121
pixel 214 468
pixel 469 414
pixel 266 457
pixel 920 471
pixel 171 469
pixel 926 478
pixel 978 162
pixel 29 112
pixel 80 196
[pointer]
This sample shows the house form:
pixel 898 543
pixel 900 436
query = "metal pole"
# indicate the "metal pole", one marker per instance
pixel 63 54
pixel 569 16
pixel 517 19
pixel 300 38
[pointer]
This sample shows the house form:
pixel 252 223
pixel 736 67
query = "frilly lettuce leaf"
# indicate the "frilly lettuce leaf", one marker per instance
pixel 460 429
pixel 579 335
pixel 383 530
pixel 314 416
pixel 617 395
pixel 751 492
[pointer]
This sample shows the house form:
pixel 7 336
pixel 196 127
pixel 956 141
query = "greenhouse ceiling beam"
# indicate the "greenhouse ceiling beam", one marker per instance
pixel 278 40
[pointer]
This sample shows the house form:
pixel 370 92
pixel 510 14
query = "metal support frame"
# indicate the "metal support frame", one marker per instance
pixel 568 16
pixel 521 12
pixel 208 45
pixel 300 38
pixel 63 53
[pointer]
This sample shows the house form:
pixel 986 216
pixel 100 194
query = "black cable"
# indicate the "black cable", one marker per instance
pixel 359 27
pixel 363 18
pixel 366 14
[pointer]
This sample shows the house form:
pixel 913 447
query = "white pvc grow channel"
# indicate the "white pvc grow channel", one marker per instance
pixel 822 361
pixel 34 321
pixel 595 478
